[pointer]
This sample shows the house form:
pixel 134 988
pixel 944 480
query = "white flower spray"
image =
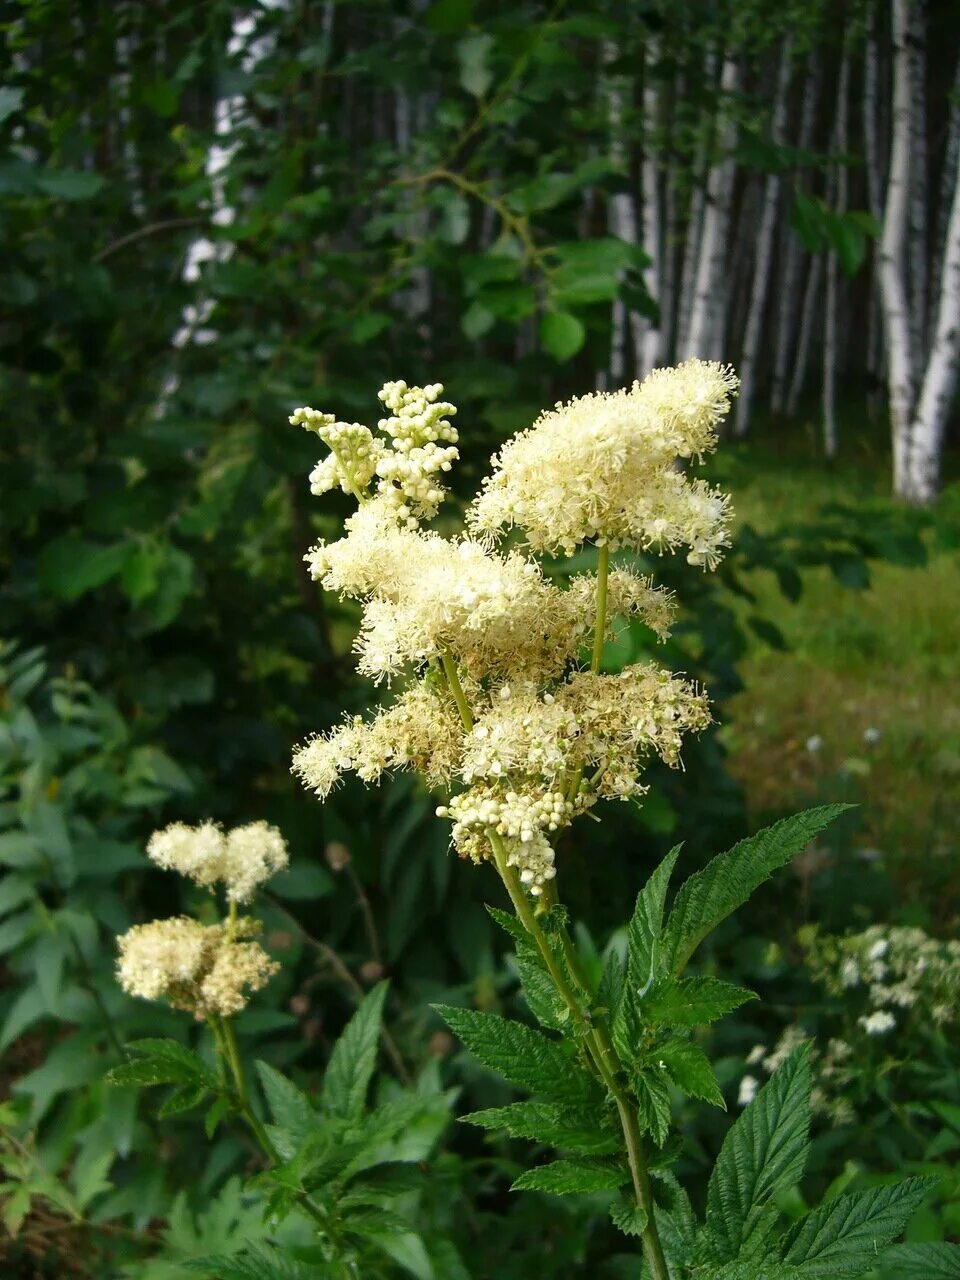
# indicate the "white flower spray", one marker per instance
pixel 500 708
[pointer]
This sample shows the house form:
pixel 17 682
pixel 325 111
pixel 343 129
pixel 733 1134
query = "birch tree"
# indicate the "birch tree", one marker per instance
pixel 892 258
pixel 706 315
pixel 831 333
pixel 764 251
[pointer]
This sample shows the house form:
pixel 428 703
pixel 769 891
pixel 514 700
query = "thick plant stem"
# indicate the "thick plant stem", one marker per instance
pixel 601 1050
pixel 600 626
pixel 603 1054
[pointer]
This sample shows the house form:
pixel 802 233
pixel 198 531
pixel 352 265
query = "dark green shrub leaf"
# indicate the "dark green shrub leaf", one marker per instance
pixel 570 1177
pixel 692 1002
pixel 354 1057
pixel 843 1237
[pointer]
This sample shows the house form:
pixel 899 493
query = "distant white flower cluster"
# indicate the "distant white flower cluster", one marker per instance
pixel 498 709
pixel 206 970
pixel 892 980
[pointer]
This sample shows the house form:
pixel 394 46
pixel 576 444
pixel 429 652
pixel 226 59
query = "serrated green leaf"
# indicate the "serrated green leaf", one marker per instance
pixel 257 1262
pixel 510 924
pixel 629 1216
pixel 185 1098
pixel 572 1177
pixel 690 1070
pixel 161 1062
pixel 932 1261
pixel 728 881
pixel 521 1055
pixel 215 1114
pixel 541 1122
pixel 693 1002
pixel 354 1057
pixel 539 991
pixel 763 1153
pixel 653 1103
pixel 843 1238
pixel 646 924
pixel 290 1108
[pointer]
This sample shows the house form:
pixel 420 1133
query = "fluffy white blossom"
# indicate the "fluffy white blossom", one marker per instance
pixel 603 467
pixel 878 1023
pixel 749 1086
pixel 204 970
pixel 241 860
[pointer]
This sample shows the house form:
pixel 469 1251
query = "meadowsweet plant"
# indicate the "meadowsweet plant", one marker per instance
pixel 498 696
pixel 324 1155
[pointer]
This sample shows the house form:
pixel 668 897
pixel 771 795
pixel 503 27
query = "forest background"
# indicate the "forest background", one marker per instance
pixel 212 213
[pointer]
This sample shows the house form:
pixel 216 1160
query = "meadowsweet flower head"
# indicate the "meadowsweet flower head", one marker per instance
pixel 878 1023
pixel 241 860
pixel 420 447
pixel 603 467
pixel 202 970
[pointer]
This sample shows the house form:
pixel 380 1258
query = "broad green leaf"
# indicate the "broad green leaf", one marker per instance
pixel 653 1102
pixel 561 1127
pixel 354 1057
pixel 184 1098
pixel 258 1262
pixel 70 566
pixel 690 1070
pixel 408 1251
pixel 570 1177
pixel 843 1237
pixel 521 1055
pixel 728 881
pixel 290 1108
pixel 646 923
pixel 160 1062
pixel 473 54
pixel 692 1002
pixel 561 334
pixel 764 1153
pixel 933 1261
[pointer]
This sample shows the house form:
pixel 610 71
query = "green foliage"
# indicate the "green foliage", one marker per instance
pixel 351 1065
pixel 841 1238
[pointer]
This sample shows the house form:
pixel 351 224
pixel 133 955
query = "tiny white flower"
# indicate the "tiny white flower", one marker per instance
pixel 814 743
pixel 748 1090
pixel 878 1023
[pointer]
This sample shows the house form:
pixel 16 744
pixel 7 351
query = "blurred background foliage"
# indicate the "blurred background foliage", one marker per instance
pixel 213 213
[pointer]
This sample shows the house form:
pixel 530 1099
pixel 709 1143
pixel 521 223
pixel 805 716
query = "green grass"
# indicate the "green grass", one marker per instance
pixel 865 702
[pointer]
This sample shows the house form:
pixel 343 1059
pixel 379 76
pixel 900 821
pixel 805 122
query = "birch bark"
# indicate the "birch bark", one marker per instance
pixel 892 259
pixel 706 318
pixel 764 251
pixel 831 332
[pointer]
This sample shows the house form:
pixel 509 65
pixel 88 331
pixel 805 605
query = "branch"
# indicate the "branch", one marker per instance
pixel 152 229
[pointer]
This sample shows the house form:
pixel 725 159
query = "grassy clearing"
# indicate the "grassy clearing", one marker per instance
pixel 865 704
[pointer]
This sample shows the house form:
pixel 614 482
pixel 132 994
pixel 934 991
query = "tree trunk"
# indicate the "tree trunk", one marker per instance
pixel 228 115
pixel 793 258
pixel 621 215
pixel 694 236
pixel 831 332
pixel 876 178
pixel 893 284
pixel 706 317
pixel 764 251
pixel 808 313
pixel 918 237
pixel 649 333
pixel 940 378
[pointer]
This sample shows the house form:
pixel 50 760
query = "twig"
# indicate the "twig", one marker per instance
pixel 152 229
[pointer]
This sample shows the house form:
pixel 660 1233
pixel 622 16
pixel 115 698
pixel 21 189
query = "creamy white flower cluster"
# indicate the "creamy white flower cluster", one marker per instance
pixel 206 970
pixel 603 467
pixel 422 445
pixel 203 970
pixel 501 712
pixel 241 859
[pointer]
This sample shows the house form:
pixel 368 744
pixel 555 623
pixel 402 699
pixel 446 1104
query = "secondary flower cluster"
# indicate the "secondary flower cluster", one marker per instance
pixel 890 979
pixel 501 711
pixel 206 970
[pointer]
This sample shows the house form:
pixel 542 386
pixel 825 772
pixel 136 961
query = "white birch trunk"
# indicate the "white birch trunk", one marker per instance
pixel 875 185
pixel 621 219
pixel 893 283
pixel 706 317
pixel 808 313
pixel 940 377
pixel 948 178
pixel 831 328
pixel 764 252
pixel 918 238
pixel 649 336
pixel 229 113
pixel 691 249
pixel 793 259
